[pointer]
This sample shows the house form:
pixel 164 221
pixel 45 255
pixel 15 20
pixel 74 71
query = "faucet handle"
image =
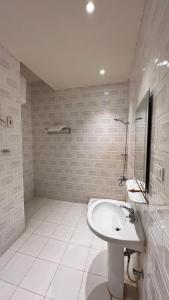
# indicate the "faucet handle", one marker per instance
pixel 131 211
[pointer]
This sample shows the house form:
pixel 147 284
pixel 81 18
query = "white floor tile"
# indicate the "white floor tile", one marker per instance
pixel 77 209
pixel 21 294
pixel 84 227
pixel 54 224
pixel 66 284
pixel 46 229
pixel 20 241
pixel 75 257
pixel 39 276
pixel 56 216
pixel 65 204
pixel 53 251
pixel 98 243
pixel 6 257
pixel 63 233
pixel 32 225
pixel 71 219
pixel 43 213
pixel 94 287
pixel 85 210
pixel 16 268
pixel 51 203
pixel 97 262
pixel 83 220
pixel 33 245
pixel 82 236
pixel 64 208
pixel 6 290
pixel 80 206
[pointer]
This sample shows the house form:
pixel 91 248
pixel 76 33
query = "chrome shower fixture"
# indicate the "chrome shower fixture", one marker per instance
pixel 122 179
pixel 123 122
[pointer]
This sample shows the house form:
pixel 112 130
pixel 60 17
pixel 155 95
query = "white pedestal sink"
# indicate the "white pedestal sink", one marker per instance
pixel 110 222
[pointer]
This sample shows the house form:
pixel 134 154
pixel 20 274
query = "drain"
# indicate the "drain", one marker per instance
pixel 117 228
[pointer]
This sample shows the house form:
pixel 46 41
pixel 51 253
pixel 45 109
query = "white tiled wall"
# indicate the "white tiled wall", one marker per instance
pixel 87 162
pixel 27 146
pixel 148 72
pixel 11 173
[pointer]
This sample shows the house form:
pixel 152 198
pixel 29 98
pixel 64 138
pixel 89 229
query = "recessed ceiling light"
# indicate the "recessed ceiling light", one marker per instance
pixel 106 93
pixel 102 72
pixel 90 7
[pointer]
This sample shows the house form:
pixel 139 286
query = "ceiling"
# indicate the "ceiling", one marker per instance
pixel 66 47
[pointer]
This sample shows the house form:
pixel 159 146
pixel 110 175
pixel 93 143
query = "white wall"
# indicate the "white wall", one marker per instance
pixel 88 162
pixel 11 174
pixel 153 49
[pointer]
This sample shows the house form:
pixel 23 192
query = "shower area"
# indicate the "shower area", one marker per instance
pixel 123 178
pixel 88 156
pixel 58 149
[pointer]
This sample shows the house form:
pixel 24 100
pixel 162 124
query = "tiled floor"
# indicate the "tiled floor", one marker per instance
pixel 56 258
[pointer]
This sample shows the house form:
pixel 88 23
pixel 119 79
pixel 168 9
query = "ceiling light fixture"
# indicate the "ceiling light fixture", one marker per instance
pixel 90 7
pixel 102 72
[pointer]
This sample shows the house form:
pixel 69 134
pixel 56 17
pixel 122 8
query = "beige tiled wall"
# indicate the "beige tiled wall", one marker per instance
pixel 87 162
pixel 151 70
pixel 11 173
pixel 27 146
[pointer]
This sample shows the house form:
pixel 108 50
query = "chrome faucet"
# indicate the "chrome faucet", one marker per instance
pixel 131 211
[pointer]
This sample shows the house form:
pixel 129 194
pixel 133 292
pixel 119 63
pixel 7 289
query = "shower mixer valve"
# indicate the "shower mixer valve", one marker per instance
pixel 122 179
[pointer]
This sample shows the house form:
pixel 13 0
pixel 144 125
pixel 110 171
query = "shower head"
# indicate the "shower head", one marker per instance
pixel 119 120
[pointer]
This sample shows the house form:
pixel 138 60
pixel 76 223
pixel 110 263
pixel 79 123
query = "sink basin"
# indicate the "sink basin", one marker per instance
pixel 110 221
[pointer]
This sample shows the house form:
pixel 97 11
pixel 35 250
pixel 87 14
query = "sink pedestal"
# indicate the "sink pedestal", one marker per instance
pixel 109 221
pixel 116 270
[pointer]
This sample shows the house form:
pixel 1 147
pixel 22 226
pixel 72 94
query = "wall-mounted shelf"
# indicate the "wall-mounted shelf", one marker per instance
pixel 58 130
pixel 138 196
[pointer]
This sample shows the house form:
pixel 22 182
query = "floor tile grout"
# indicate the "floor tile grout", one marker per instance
pixel 81 212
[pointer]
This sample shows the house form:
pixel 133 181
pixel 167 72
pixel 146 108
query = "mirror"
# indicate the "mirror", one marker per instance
pixel 142 143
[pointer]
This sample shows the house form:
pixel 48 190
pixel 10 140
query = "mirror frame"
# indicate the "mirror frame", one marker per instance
pixel 145 187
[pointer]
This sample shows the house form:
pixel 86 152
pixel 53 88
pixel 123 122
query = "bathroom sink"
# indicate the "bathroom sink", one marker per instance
pixel 109 221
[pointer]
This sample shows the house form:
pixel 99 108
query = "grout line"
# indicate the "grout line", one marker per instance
pixel 19 287
pixel 68 243
pixel 29 270
pixel 80 285
pixel 47 239
pixel 14 251
pixel 61 257
pixel 51 281
pixel 19 250
pixel 29 234
pixel 12 285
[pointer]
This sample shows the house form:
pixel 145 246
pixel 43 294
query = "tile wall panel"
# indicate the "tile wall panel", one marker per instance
pixel 27 146
pixel 11 173
pixel 88 162
pixel 151 71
